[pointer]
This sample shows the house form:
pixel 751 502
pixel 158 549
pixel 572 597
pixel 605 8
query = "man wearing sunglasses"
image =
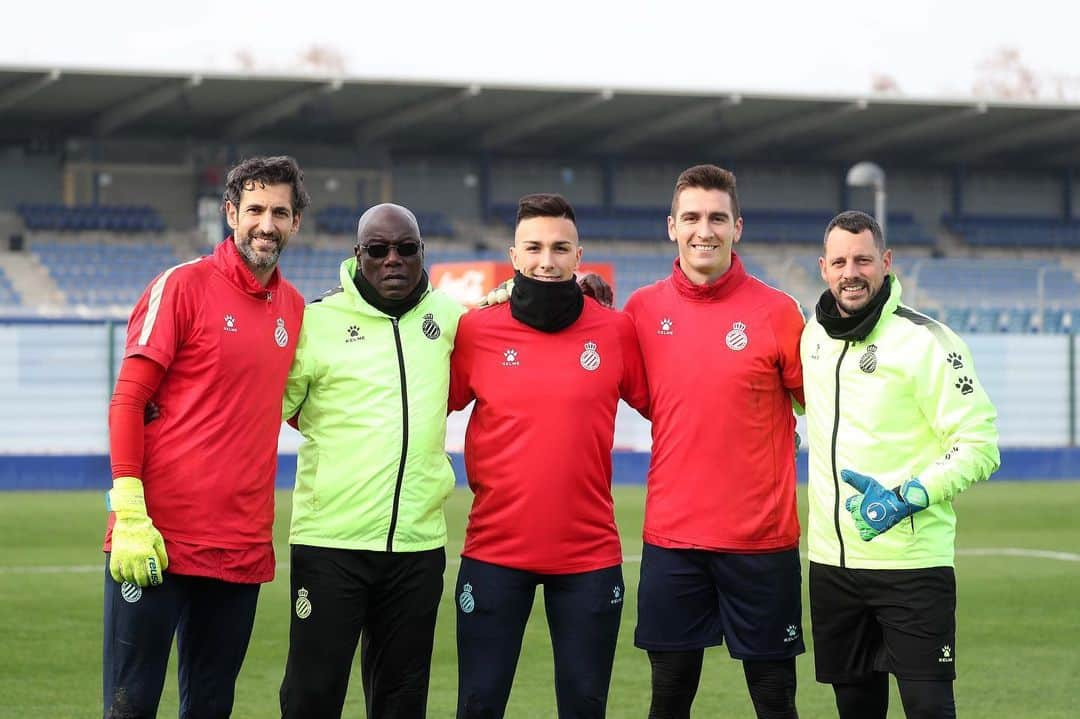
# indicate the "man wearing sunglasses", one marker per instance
pixel 368 391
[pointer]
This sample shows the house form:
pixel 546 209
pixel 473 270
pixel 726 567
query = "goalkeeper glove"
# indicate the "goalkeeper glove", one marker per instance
pixel 138 550
pixel 876 509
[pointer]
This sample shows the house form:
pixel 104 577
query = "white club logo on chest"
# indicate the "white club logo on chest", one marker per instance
pixel 590 358
pixel 665 327
pixel 230 323
pixel 510 358
pixel 736 339
pixel 281 336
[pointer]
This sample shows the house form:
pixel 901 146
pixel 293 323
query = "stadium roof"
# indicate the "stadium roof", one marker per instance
pixel 430 117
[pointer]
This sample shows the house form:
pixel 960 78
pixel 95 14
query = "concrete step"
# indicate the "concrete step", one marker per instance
pixel 31 280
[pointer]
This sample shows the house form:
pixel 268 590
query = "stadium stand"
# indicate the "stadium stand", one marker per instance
pixel 1014 230
pixel 8 295
pixel 81 218
pixel 101 273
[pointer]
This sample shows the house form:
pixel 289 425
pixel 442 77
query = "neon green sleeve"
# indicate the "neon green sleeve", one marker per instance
pixel 956 405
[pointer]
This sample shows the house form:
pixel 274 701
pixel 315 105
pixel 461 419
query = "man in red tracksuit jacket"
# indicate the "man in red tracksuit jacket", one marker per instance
pixel 210 343
pixel 720 561
pixel 547 370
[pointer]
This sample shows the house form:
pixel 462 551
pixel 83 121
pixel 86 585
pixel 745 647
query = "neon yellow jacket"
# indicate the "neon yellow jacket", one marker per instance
pixel 371 390
pixel 903 403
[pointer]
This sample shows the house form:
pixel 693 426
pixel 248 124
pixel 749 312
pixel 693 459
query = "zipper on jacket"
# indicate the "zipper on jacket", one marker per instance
pixel 835 474
pixel 404 436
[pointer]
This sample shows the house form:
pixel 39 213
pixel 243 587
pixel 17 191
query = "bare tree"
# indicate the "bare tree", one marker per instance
pixel 882 84
pixel 323 59
pixel 1004 76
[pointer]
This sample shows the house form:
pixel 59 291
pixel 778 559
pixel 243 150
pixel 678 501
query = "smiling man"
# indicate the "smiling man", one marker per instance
pixel 209 343
pixel 368 392
pixel 547 371
pixel 720 560
pixel 898 425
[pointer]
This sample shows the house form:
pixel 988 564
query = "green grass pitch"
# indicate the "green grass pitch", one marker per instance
pixel 1018 638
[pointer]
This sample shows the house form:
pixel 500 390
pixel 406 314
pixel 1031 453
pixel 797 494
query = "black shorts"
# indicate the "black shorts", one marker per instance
pixel 901 621
pixel 694 598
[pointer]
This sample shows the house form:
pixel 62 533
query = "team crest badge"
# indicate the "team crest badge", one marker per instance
pixel 868 362
pixel 131 592
pixel 590 358
pixel 431 328
pixel 281 336
pixel 303 604
pixel 466 600
pixel 736 339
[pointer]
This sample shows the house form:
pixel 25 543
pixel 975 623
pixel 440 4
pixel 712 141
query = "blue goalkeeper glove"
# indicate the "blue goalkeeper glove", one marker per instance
pixel 138 550
pixel 875 509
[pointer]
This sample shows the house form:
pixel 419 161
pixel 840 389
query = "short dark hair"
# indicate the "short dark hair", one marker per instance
pixel 544 204
pixel 707 177
pixel 266 171
pixel 854 221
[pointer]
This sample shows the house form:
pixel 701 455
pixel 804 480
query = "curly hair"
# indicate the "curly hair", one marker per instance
pixel 266 171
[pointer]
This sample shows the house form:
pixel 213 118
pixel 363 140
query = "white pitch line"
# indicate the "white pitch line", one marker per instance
pixel 628 559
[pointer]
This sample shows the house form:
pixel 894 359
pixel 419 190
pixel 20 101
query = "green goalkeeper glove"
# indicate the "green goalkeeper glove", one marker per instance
pixel 138 550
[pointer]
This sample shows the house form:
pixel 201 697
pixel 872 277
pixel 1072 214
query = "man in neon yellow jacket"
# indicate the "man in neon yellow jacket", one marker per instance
pixel 368 390
pixel 898 425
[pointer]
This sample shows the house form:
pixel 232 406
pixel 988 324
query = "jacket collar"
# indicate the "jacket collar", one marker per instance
pixel 718 289
pixel 227 260
pixel 870 324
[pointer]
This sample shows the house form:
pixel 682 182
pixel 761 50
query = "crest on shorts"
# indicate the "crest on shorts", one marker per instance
pixel 590 358
pixel 131 592
pixel 736 339
pixel 466 600
pixel 431 327
pixel 303 604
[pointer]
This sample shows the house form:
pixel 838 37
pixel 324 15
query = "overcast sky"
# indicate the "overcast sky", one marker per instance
pixel 829 46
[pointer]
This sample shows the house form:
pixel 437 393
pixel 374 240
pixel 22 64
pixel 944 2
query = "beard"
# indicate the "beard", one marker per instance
pixel 260 260
pixel 853 308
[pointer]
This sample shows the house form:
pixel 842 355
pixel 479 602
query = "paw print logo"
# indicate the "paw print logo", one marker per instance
pixel 617 591
pixel 354 331
pixel 665 326
pixel 230 321
pixel 792 630
pixel 955 360
pixel 510 355
pixel 966 385
pixel 946 651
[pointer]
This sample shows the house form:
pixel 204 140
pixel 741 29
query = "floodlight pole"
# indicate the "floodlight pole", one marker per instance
pixel 869 174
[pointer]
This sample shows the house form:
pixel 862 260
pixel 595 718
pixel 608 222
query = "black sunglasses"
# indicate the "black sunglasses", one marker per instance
pixel 379 250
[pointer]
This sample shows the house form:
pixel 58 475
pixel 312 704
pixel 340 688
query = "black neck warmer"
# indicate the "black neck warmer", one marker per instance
pixel 546 306
pixel 857 326
pixel 394 308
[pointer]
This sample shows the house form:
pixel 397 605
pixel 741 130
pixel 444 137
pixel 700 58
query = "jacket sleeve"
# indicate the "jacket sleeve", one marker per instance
pixel 633 387
pixel 788 324
pixel 461 391
pixel 300 375
pixel 960 413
